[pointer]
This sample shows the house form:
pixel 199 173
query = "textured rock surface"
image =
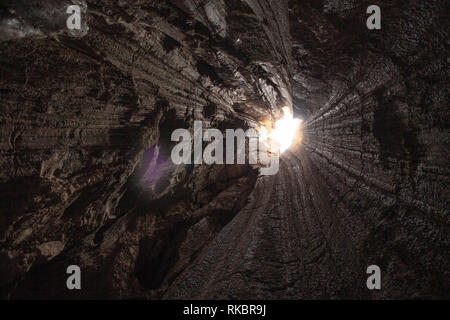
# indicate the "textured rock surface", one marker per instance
pixel 87 179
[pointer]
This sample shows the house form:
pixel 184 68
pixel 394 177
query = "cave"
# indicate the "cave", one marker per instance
pixel 88 111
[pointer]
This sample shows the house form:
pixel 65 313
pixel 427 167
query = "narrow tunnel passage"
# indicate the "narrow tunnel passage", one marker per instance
pixel 88 179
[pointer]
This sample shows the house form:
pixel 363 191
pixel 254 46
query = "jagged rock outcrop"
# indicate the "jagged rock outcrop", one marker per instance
pixel 85 145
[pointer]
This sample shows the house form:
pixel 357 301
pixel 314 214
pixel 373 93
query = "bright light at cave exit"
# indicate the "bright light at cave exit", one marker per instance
pixel 284 131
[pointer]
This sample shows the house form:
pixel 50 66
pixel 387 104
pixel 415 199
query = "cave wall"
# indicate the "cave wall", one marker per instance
pixel 379 146
pixel 86 121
